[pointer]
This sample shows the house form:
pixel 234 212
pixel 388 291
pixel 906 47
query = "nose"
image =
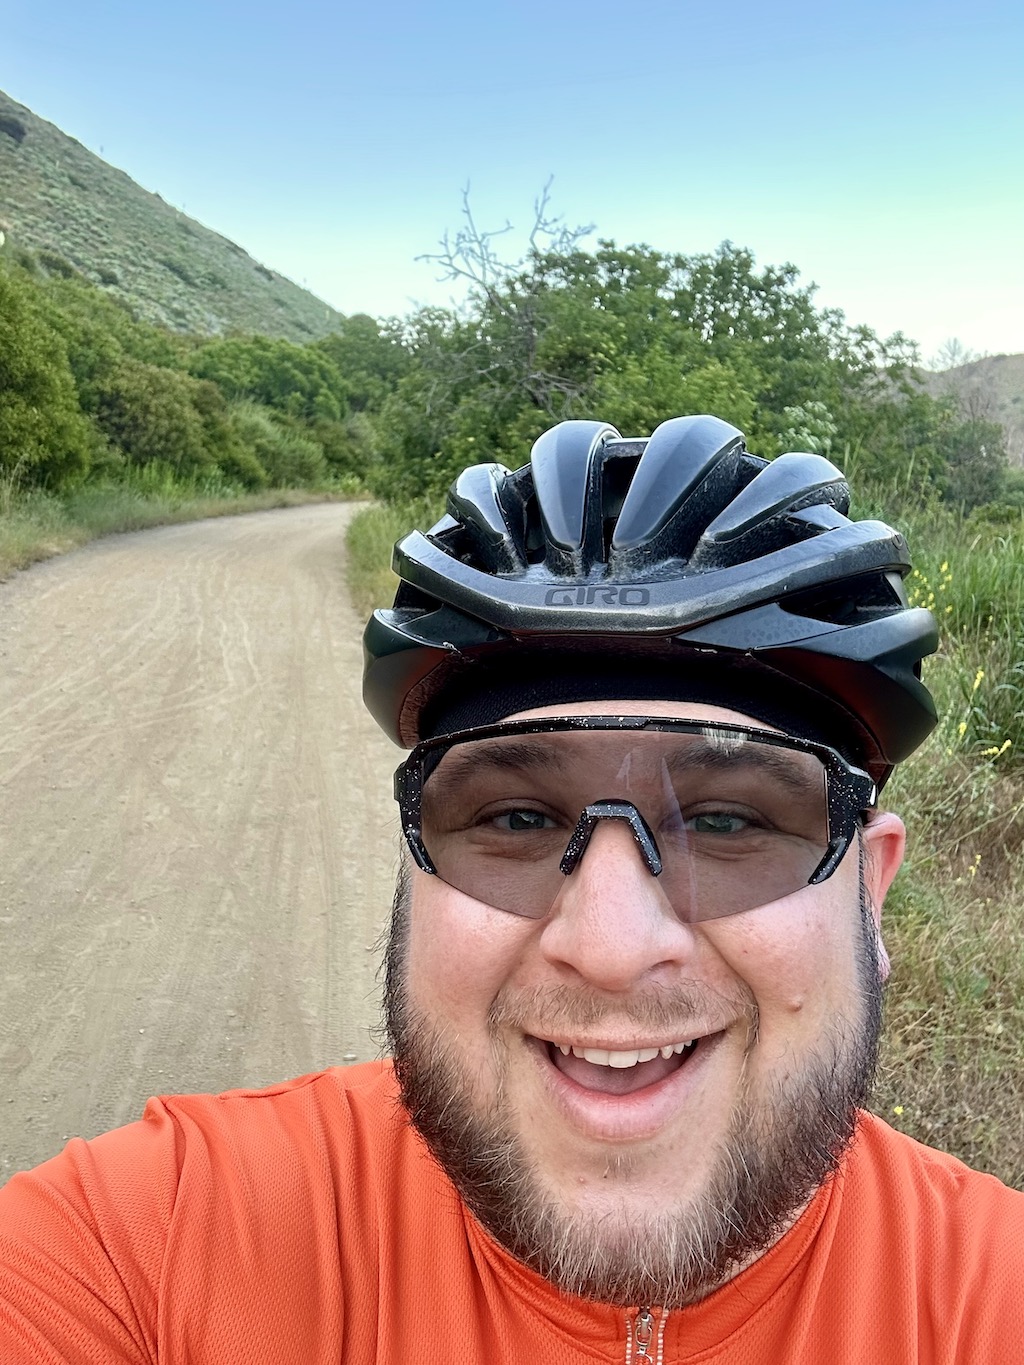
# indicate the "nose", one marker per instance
pixel 611 924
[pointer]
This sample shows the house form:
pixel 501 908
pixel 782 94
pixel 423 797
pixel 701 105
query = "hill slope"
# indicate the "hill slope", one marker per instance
pixel 991 387
pixel 74 211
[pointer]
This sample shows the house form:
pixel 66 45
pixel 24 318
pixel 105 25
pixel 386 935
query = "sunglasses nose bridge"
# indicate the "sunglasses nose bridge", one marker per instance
pixel 624 811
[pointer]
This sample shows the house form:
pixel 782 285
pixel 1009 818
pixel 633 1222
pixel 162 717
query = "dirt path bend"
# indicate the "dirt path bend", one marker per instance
pixel 197 846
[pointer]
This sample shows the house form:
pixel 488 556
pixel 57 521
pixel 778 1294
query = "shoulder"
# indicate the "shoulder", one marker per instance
pixel 292 1112
pixel 209 1142
pixel 334 1136
pixel 214 1206
pixel 952 1237
pixel 884 1163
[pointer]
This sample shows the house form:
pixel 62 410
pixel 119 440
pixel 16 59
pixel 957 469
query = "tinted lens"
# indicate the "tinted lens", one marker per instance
pixel 738 822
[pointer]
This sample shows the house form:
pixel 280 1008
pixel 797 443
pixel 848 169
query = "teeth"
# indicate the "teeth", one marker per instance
pixel 598 1056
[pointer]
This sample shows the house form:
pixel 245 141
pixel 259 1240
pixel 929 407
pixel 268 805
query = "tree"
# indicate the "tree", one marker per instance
pixel 974 462
pixel 370 357
pixel 630 335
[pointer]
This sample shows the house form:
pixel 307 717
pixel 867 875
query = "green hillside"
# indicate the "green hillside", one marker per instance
pixel 74 212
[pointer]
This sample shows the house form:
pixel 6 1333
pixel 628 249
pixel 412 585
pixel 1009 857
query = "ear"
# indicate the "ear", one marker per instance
pixel 884 839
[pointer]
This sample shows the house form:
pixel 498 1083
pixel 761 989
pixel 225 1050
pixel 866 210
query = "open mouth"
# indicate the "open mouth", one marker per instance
pixel 620 1072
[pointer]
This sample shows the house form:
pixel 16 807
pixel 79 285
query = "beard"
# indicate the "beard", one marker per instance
pixel 784 1141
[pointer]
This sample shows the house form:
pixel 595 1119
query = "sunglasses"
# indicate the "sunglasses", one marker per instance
pixel 728 817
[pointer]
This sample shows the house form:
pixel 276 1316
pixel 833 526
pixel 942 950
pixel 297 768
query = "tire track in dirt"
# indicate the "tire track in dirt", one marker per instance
pixel 197 847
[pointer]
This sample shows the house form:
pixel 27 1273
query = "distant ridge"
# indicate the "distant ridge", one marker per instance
pixel 991 387
pixel 74 212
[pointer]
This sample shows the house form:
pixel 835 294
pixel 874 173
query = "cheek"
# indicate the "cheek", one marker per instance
pixel 460 953
pixel 798 957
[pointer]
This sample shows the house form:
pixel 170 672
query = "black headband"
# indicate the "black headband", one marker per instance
pixel 484 695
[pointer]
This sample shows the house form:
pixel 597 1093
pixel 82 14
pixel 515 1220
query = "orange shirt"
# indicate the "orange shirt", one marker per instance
pixel 306 1225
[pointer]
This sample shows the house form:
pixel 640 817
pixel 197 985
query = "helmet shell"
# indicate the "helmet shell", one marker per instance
pixel 682 547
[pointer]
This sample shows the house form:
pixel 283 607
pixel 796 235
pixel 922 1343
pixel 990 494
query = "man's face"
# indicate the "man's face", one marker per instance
pixel 524 1050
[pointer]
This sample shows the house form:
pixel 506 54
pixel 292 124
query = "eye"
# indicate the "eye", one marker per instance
pixel 718 822
pixel 523 819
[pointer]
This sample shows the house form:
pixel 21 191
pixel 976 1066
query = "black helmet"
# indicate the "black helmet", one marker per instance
pixel 681 555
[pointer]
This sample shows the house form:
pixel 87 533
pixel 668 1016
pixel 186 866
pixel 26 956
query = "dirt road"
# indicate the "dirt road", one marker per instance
pixel 197 846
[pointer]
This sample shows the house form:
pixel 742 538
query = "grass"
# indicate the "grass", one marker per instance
pixel 952 1066
pixel 371 535
pixel 35 525
pixel 953 1062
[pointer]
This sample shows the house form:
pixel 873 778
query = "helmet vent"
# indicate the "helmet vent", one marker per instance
pixel 617 471
pixel 688 472
pixel 492 525
pixel 761 518
pixel 851 602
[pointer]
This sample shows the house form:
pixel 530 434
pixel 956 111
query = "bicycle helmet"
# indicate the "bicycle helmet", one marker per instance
pixel 674 566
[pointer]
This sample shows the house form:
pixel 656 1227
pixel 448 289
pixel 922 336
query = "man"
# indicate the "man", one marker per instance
pixel 633 979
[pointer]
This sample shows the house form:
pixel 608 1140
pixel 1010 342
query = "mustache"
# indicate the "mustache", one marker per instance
pixel 681 1007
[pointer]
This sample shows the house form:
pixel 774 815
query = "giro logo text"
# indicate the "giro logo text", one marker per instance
pixel 597 595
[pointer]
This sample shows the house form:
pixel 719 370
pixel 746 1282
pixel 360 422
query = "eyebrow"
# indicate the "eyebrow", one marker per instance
pixel 735 754
pixel 747 753
pixel 498 755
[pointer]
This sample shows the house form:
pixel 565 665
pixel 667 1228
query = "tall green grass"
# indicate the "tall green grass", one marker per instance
pixel 952 1067
pixel 35 525
pixel 371 535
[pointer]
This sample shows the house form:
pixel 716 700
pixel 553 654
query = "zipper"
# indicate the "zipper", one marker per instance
pixel 641 1343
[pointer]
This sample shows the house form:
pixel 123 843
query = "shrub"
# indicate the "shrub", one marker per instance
pixel 294 461
pixel 298 380
pixel 179 268
pixel 288 458
pixel 13 127
pixel 350 446
pixel 151 414
pixel 241 466
pixel 55 264
pixel 43 435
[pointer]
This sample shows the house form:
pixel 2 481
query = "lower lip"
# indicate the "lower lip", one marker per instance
pixel 626 1118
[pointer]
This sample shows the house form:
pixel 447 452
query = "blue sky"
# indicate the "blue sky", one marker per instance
pixel 880 148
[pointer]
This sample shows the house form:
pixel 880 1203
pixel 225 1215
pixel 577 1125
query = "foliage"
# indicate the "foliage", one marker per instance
pixel 283 454
pixel 633 335
pixel 299 380
pixel 370 355
pixel 153 414
pixel 972 459
pixel 89 392
pixel 98 331
pixel 44 437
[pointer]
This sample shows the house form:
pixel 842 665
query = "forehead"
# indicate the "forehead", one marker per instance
pixel 681 709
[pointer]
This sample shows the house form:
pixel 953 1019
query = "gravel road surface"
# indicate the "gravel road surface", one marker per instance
pixel 197 843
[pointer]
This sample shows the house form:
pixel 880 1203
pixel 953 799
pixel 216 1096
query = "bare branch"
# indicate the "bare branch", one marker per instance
pixel 470 254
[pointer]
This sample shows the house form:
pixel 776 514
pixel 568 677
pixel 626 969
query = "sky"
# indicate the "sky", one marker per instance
pixel 879 147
